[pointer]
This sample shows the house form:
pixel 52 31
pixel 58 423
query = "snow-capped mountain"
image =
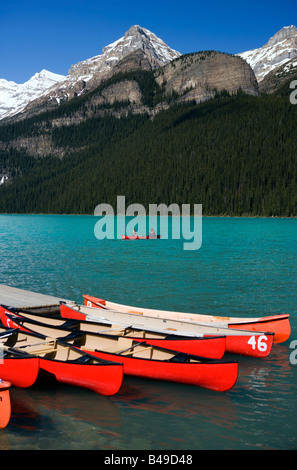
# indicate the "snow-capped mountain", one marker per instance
pixel 89 72
pixel 14 97
pixel 135 38
pixel 46 90
pixel 279 50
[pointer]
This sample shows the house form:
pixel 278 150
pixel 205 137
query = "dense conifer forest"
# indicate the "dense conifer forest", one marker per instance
pixel 235 155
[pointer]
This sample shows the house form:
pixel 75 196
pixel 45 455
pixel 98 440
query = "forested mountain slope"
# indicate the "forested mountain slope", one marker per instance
pixel 236 155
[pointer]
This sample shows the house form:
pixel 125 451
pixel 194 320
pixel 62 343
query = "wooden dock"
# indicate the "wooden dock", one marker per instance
pixel 20 298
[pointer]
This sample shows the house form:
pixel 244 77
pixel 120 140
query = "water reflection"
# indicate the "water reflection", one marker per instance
pixel 42 413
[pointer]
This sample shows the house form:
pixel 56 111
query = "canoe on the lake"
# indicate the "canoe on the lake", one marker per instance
pixel 212 347
pixel 255 344
pixel 277 324
pixel 66 363
pixel 140 237
pixel 17 367
pixel 140 359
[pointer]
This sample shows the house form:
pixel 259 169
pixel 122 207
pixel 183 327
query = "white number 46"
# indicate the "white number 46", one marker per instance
pixel 258 342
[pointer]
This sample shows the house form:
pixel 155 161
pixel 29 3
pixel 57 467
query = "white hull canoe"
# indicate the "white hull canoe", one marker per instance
pixel 254 344
pixel 277 324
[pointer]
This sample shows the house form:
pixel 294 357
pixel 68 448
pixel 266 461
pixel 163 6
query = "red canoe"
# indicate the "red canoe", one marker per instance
pixel 211 374
pixel 5 405
pixel 203 346
pixel 247 343
pixel 277 324
pixel 139 237
pixel 141 359
pixel 83 370
pixel 66 363
pixel 20 369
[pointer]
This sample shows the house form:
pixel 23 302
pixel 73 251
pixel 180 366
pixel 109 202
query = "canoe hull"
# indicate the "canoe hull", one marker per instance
pixel 277 324
pixel 211 347
pixel 21 372
pixel 218 376
pixel 127 237
pixel 103 379
pixel 5 404
pixel 257 345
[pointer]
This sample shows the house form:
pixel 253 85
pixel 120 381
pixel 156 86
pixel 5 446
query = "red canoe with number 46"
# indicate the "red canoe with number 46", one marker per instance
pixel 247 343
pixel 277 324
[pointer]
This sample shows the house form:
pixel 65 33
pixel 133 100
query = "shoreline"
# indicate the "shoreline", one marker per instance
pixel 169 215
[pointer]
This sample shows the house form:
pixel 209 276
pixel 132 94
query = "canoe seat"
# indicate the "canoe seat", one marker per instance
pixel 180 357
pixel 82 360
pixel 145 352
pixel 124 344
pixel 70 323
pixel 73 335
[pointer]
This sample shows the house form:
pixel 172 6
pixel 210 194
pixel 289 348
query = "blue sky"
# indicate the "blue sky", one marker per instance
pixel 54 34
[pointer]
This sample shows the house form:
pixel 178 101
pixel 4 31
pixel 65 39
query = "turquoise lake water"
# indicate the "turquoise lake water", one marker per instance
pixel 245 267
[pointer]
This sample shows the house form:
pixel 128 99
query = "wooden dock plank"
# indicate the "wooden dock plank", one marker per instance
pixel 20 298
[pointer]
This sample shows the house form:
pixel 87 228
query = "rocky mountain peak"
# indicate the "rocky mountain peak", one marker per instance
pixel 135 38
pixel 86 75
pixel 140 38
pixel 287 32
pixel 280 49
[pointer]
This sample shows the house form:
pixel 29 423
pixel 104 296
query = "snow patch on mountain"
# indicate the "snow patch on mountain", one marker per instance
pixel 14 97
pixel 281 48
pixel 3 179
